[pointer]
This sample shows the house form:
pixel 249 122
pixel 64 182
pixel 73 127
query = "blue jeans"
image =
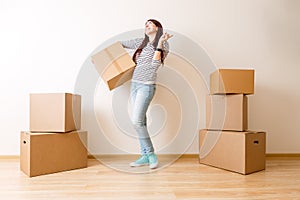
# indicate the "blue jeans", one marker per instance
pixel 141 96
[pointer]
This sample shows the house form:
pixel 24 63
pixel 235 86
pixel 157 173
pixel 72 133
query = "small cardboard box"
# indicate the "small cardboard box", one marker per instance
pixel 114 65
pixel 45 153
pixel 232 81
pixel 227 112
pixel 55 112
pixel 241 152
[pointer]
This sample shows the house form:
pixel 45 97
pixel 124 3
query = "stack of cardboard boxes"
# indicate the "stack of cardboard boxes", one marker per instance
pixel 226 142
pixel 55 142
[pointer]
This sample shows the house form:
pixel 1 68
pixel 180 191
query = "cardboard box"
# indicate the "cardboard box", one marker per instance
pixel 232 81
pixel 241 152
pixel 114 65
pixel 55 112
pixel 227 112
pixel 45 153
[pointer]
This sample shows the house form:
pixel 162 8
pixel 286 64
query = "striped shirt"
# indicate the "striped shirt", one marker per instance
pixel 146 68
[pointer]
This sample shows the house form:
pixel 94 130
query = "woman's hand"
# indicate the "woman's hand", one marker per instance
pixel 164 37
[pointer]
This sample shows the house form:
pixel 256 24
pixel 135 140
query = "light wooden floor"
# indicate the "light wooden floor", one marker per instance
pixel 184 179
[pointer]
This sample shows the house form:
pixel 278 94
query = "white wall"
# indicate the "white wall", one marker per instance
pixel 43 45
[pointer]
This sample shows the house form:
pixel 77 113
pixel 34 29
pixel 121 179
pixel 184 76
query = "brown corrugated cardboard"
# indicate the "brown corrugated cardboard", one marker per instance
pixel 229 81
pixel 242 152
pixel 55 112
pixel 227 112
pixel 114 65
pixel 45 153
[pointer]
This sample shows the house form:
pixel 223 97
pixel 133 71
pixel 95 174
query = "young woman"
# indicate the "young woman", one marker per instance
pixel 149 55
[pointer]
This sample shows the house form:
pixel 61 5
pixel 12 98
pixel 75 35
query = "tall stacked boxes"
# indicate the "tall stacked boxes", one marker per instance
pixel 226 142
pixel 55 142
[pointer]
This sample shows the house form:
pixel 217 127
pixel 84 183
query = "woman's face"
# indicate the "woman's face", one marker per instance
pixel 150 28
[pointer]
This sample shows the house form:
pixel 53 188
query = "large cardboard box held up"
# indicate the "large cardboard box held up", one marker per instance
pixel 55 112
pixel 241 152
pixel 227 112
pixel 232 81
pixel 114 65
pixel 45 153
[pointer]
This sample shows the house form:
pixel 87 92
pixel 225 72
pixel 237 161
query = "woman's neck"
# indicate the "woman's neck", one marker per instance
pixel 151 37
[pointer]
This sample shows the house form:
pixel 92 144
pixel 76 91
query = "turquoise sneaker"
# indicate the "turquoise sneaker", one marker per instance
pixel 153 161
pixel 143 160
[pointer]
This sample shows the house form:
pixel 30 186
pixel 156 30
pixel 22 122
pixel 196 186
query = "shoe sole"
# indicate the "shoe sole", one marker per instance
pixel 137 165
pixel 153 166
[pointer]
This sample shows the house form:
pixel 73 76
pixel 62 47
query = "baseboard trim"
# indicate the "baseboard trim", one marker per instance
pixel 287 155
pixel 9 156
pixel 268 155
pixel 118 155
